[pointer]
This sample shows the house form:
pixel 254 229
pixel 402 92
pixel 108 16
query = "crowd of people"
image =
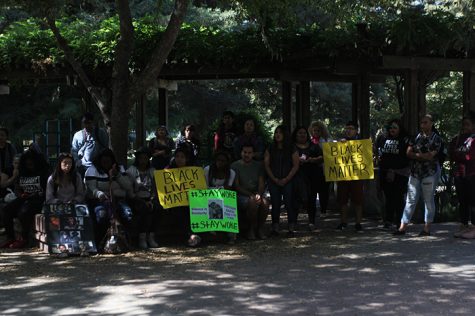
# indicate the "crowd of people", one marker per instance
pixel 289 170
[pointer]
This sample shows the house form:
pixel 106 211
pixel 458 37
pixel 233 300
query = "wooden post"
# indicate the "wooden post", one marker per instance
pixel 354 101
pixel 140 123
pixel 286 102
pixel 411 110
pixel 468 92
pixel 360 108
pixel 305 103
pixel 162 106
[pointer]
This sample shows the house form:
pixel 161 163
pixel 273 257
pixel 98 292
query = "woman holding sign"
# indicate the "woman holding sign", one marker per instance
pixel 281 162
pixel 65 184
pixel 422 152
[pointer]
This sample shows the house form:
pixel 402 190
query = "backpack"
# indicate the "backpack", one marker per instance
pixel 115 241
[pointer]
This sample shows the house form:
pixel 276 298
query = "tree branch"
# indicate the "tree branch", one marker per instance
pixel 77 67
pixel 159 56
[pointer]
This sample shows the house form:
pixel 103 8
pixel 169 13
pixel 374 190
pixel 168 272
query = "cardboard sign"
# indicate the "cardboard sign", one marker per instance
pixel 213 210
pixel 351 160
pixel 173 185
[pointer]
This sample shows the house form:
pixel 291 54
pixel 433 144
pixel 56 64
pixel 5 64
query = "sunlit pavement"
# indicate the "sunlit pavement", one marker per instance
pixel 316 273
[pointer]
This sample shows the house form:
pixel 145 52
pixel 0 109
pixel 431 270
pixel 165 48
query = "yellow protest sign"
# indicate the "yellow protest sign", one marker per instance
pixel 173 185
pixel 350 160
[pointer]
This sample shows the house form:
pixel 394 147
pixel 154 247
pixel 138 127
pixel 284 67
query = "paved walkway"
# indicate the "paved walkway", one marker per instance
pixel 325 273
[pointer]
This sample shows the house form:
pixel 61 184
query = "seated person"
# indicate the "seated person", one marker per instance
pixel 107 188
pixel 250 185
pixel 65 184
pixel 144 203
pixel 220 175
pixel 30 191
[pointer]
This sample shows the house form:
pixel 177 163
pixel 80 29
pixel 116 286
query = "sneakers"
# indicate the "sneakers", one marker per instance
pixel 424 233
pixel 399 232
pixel 261 234
pixel 143 241
pixel 342 226
pixel 275 229
pixel 7 243
pixel 250 235
pixel 461 231
pixel 152 243
pixel 194 240
pixel 358 228
pixel 18 244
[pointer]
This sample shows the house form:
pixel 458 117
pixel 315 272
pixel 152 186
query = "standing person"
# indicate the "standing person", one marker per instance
pixel 462 152
pixel 310 174
pixel 394 171
pixel 65 185
pixel 350 190
pixel 161 147
pixel 319 135
pixel 88 143
pixel 424 175
pixel 190 142
pixel 250 185
pixel 225 135
pixel 145 204
pixel 249 136
pixel 7 152
pixel 30 191
pixel 107 188
pixel 281 162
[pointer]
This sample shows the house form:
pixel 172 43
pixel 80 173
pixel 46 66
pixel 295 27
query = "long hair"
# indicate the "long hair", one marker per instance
pixel 185 152
pixel 286 142
pixel 294 133
pixel 106 152
pixel 58 174
pixel 213 169
pixel 40 164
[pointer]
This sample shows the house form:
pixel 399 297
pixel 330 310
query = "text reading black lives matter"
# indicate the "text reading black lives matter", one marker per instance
pixel 348 162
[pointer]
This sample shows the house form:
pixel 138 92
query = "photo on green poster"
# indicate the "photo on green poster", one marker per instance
pixel 213 210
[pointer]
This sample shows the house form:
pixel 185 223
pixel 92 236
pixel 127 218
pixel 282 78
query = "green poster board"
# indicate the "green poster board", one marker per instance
pixel 213 210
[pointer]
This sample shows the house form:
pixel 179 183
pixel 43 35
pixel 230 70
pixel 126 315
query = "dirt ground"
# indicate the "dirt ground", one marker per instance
pixel 316 273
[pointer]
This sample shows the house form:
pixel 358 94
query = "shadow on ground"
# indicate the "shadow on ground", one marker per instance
pixel 316 273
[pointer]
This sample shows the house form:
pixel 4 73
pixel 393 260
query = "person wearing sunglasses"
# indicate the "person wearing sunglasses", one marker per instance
pixel 393 171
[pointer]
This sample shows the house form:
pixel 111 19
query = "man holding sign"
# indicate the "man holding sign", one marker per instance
pixel 349 162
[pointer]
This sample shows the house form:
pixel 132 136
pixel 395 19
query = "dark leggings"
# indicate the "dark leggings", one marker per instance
pixel 465 187
pixel 394 192
pixel 25 210
pixel 146 216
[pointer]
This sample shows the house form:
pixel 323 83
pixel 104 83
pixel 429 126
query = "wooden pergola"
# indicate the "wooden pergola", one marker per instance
pixel 297 73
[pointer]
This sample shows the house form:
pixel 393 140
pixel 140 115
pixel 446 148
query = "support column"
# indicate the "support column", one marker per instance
pixel 140 123
pixel 162 106
pixel 286 103
pixel 360 106
pixel 411 110
pixel 304 100
pixel 468 92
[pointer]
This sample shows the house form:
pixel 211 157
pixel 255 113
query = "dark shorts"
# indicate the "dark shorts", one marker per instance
pixel 350 190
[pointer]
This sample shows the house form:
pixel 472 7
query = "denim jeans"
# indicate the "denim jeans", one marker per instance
pixel 415 186
pixel 276 193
